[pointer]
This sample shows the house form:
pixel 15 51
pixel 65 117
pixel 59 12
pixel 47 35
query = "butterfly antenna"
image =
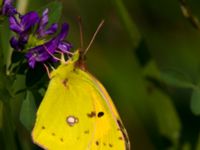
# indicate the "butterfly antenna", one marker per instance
pixel 80 24
pixel 187 13
pixel 94 36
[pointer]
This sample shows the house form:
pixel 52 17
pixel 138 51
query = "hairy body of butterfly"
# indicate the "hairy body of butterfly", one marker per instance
pixel 77 113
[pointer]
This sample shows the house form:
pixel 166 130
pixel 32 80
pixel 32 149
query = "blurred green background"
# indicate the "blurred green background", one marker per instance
pixel 146 55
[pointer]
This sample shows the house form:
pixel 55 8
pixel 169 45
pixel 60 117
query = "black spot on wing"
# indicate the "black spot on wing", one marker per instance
pixel 100 114
pixel 65 82
pixel 86 131
pixel 61 139
pixel 110 145
pixel 97 143
pixel 91 114
pixel 53 134
pixel 120 138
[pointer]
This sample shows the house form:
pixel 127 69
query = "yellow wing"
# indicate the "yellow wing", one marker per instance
pixel 109 130
pixel 78 114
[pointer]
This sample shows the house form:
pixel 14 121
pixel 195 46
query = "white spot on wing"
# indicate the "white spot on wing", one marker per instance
pixel 71 120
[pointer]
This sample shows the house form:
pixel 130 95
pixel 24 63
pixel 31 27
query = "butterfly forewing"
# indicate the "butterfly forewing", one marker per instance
pixel 109 130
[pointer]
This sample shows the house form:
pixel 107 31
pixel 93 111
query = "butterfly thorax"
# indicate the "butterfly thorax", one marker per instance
pixel 81 63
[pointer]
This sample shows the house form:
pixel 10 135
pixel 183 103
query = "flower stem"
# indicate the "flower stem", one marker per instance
pixel 22 6
pixel 8 128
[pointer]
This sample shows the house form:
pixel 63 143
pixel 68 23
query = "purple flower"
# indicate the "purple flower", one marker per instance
pixel 19 43
pixel 33 36
pixel 22 27
pixel 25 23
pixel 7 8
pixel 46 51
pixel 42 32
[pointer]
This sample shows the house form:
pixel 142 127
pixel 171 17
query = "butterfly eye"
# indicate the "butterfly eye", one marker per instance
pixel 71 120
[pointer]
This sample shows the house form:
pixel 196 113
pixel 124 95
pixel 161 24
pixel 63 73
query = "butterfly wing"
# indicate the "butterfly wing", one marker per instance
pixel 62 121
pixel 109 130
pixel 77 113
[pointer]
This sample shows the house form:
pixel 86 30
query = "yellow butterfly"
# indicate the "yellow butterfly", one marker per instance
pixel 77 113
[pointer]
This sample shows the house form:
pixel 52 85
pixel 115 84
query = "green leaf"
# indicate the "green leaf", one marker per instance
pixel 5 48
pixel 166 117
pixel 8 131
pixel 177 79
pixel 171 77
pixel 5 87
pixel 1 114
pixel 198 143
pixel 186 146
pixel 28 111
pixel 195 101
pixel 55 11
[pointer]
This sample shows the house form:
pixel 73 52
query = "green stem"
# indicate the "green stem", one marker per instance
pixel 5 49
pixel 8 128
pixel 129 25
pixel 22 6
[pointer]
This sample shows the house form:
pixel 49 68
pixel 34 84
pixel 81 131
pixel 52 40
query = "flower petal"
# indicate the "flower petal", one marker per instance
pixel 42 23
pixel 44 19
pixel 14 43
pixel 63 33
pixel 19 43
pixel 7 8
pixel 29 20
pixel 31 62
pixel 15 25
pixel 64 46
pixel 43 52
pixel 52 29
